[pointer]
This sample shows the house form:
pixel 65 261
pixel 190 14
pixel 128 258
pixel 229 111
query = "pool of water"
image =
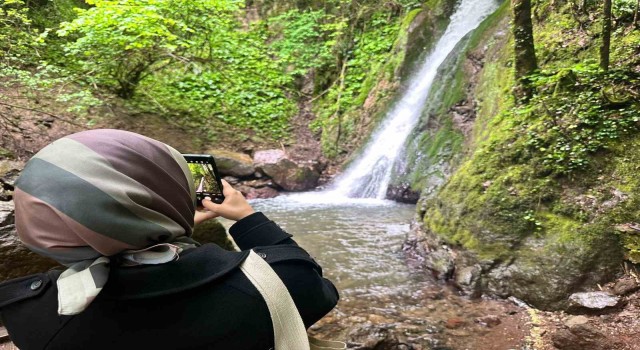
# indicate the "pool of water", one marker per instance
pixel 356 241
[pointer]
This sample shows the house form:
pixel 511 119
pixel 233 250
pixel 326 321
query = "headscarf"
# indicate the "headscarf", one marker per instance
pixel 103 193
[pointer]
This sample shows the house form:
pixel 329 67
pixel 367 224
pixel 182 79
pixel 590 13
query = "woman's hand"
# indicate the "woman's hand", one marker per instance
pixel 203 216
pixel 234 206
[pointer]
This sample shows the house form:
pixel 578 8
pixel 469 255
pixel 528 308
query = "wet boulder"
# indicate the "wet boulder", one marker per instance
pixel 233 163
pixel 286 173
pixel 402 193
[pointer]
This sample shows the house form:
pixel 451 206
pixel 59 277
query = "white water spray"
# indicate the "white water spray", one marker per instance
pixel 369 175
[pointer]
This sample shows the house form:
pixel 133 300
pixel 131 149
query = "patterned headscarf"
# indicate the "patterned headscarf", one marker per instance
pixel 101 193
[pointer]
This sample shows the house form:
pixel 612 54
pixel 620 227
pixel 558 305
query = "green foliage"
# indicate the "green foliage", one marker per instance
pixel 574 114
pixel 17 37
pixel 121 42
pixel 303 39
pixel 362 68
pixel 191 58
pixel 239 85
pixel 623 10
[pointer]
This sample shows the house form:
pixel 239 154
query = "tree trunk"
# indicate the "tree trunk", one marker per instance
pixel 606 36
pixel 635 16
pixel 525 54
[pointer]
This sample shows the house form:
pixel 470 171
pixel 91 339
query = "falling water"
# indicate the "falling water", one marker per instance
pixel 369 175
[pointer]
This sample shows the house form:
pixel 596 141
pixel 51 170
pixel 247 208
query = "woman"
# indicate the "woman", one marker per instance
pixel 117 209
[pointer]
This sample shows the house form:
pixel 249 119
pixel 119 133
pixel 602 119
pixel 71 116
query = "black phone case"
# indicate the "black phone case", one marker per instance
pixel 206 158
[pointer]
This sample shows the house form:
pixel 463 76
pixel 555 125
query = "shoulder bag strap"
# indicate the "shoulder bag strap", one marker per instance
pixel 288 328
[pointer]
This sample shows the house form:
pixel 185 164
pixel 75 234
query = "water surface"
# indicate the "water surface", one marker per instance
pixel 356 241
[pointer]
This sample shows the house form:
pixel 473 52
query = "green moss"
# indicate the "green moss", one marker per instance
pixel 212 231
pixel 563 228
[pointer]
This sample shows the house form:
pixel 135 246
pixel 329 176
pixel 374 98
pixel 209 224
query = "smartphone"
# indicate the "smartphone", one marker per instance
pixel 206 177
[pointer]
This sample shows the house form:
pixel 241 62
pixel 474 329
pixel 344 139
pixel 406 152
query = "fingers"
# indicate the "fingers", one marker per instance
pixel 227 189
pixel 234 206
pixel 201 216
pixel 207 203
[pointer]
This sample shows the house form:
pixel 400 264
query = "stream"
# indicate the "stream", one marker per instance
pixel 384 303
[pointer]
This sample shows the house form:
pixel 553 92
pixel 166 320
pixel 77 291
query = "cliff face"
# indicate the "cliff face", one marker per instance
pixel 499 211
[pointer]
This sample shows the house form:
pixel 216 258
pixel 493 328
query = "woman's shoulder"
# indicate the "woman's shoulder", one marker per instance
pixel 194 268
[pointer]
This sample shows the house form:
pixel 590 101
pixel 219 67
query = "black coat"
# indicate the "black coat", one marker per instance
pixel 200 301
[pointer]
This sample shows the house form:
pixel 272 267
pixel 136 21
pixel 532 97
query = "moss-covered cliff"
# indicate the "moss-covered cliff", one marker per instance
pixel 543 197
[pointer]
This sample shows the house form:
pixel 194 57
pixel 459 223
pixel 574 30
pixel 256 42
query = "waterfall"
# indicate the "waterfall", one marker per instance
pixel 370 174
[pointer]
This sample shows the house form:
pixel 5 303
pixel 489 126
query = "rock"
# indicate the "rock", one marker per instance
pixel 402 193
pixel 468 278
pixel 262 193
pixel 294 177
pixel 286 173
pixel 580 337
pixel 212 231
pixel 377 319
pixel 489 320
pixel 5 195
pixel 576 320
pixel 594 300
pixel 231 180
pixel 233 163
pixel 7 166
pixel 426 251
pixel 454 323
pixel 258 183
pixel 6 213
pixel 566 80
pixel 546 280
pixel 271 156
pixel 375 337
pixel 9 179
pixel 625 286
pixel 17 260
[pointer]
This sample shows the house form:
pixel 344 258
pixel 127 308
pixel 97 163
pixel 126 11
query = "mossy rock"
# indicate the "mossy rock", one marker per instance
pixel 232 163
pixel 212 231
pixel 536 236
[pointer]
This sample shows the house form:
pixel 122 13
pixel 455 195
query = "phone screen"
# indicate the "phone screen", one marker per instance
pixel 204 178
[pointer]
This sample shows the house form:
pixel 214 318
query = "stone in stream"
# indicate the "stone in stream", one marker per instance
pixel 286 173
pixel 376 337
pixel 262 193
pixel 594 300
pixel 232 163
